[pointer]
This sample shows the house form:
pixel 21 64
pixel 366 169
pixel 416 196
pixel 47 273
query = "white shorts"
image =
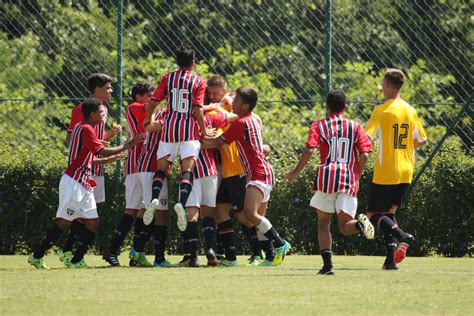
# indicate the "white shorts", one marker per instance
pixel 334 203
pixel 188 149
pixel 99 189
pixel 145 182
pixel 263 187
pixel 75 201
pixel 195 197
pixel 208 191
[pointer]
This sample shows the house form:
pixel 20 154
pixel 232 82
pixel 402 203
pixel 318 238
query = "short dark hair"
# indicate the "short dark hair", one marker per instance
pixel 185 55
pixel 217 81
pixel 90 105
pixel 98 80
pixel 141 88
pixel 336 100
pixel 249 96
pixel 395 77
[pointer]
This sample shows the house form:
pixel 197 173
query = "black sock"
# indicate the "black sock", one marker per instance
pixel 74 231
pixel 121 232
pixel 268 248
pixel 226 232
pixel 387 226
pixel 209 232
pixel 142 235
pixel 273 235
pixel 83 243
pixel 161 234
pixel 220 251
pixel 252 239
pixel 192 239
pixel 185 186
pixel 158 180
pixel 327 258
pixel 52 236
pixel 186 252
pixel 391 246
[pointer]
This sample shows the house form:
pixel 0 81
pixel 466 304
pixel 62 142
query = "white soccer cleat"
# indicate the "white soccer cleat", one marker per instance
pixel 366 226
pixel 150 212
pixel 181 213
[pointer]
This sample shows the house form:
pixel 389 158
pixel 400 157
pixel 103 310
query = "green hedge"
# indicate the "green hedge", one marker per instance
pixel 439 210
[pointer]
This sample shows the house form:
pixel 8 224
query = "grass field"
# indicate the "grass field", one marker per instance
pixel 421 286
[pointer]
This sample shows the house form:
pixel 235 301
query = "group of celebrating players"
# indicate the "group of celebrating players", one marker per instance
pixel 223 167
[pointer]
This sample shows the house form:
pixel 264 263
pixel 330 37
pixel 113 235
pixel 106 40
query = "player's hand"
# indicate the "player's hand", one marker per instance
pixel 209 132
pixel 227 99
pixel 105 143
pixel 290 176
pixel 134 141
pixel 146 122
pixel 116 129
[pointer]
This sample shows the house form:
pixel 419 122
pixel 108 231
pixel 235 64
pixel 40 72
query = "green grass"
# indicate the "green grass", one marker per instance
pixel 421 286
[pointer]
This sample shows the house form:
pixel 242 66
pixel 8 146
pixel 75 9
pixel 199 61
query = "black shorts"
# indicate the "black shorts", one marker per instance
pixel 383 196
pixel 232 190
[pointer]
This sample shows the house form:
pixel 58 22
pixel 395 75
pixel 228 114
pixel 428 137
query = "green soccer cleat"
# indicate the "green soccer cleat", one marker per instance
pixel 37 263
pixel 78 265
pixel 228 263
pixel 140 259
pixel 265 263
pixel 254 261
pixel 65 257
pixel 280 254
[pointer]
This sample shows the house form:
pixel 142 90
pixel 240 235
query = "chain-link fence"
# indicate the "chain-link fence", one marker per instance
pixel 292 52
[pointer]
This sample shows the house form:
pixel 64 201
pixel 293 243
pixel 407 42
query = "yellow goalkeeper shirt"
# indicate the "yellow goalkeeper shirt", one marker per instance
pixel 395 124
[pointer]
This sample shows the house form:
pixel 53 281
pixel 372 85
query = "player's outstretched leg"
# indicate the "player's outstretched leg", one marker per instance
pixel 51 237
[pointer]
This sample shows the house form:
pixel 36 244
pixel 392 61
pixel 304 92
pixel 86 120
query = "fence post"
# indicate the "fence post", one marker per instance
pixel 328 64
pixel 438 145
pixel 118 167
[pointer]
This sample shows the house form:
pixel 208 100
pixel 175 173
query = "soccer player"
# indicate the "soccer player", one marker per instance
pixel 246 131
pixel 100 87
pixel 135 115
pixel 76 198
pixel 344 149
pixel 183 126
pixel 400 132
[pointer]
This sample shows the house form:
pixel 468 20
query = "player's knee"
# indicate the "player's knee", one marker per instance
pixel 160 175
pixel 93 225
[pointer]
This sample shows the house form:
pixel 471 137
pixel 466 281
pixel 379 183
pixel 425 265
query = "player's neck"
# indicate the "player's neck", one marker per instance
pixel 393 96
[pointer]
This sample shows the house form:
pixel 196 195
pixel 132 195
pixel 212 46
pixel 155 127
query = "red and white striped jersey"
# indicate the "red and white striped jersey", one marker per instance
pixel 84 145
pixel 182 90
pixel 340 141
pixel 76 118
pixel 247 133
pixel 206 162
pixel 135 115
pixel 147 160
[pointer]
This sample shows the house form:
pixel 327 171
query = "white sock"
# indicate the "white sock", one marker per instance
pixel 264 225
pixel 261 236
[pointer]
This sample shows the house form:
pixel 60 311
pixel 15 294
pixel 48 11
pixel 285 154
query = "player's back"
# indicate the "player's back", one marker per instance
pixel 395 123
pixel 135 115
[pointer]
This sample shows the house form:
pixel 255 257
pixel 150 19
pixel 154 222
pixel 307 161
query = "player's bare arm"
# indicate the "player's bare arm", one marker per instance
pixel 107 160
pixel 417 144
pixel 109 151
pixel 212 142
pixel 114 131
pixel 363 158
pixel 199 113
pixel 305 157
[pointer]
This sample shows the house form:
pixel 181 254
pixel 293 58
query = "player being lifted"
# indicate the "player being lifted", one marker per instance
pixel 400 132
pixel 76 198
pixel 246 132
pixel 100 87
pixel 182 128
pixel 344 149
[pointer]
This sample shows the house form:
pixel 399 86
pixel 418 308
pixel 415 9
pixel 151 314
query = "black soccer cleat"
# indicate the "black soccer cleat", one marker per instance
pixel 326 271
pixel 111 258
pixel 390 266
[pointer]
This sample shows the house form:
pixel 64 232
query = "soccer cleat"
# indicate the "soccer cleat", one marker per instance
pixel 402 248
pixel 78 265
pixel 366 226
pixel 266 263
pixel 326 271
pixel 254 261
pixel 188 262
pixel 280 254
pixel 37 263
pixel 111 258
pixel 140 260
pixel 150 212
pixel 162 264
pixel 228 263
pixel 389 266
pixel 181 213
pixel 65 257
pixel 211 258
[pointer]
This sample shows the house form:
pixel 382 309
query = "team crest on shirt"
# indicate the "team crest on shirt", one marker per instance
pixel 164 202
pixel 69 212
